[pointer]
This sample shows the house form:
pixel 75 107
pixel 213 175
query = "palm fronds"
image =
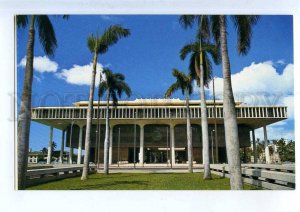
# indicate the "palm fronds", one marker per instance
pixel 114 85
pixel 46 34
pixel 183 83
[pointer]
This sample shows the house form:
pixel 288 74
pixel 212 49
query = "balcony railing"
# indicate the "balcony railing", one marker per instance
pixel 158 112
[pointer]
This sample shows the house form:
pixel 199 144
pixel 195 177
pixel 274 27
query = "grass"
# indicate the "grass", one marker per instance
pixel 130 181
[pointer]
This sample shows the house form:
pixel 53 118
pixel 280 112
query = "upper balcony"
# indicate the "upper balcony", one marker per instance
pixel 254 116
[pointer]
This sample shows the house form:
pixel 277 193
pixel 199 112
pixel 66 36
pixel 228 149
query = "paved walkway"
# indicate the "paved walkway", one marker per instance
pixel 150 168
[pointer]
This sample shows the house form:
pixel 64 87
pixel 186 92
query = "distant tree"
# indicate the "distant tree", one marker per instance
pixel 41 157
pixel 259 147
pixel 54 145
pixel 286 150
pixel 245 156
pixel 44 151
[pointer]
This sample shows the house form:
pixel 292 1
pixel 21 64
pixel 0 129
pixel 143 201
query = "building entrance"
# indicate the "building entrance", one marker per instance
pixel 131 155
pixel 157 155
pixel 181 156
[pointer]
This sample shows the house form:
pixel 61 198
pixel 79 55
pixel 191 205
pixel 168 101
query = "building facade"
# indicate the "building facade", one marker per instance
pixel 154 130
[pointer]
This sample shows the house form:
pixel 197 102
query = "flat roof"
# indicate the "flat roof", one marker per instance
pixel 153 102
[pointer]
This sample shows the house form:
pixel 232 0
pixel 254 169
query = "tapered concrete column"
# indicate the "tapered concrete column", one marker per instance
pixel 79 154
pixel 172 132
pixel 267 153
pixel 62 146
pixel 71 156
pixel 50 146
pixel 110 144
pixel 141 155
pixel 254 146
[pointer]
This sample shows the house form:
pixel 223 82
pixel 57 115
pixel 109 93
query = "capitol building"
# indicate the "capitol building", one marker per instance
pixel 148 131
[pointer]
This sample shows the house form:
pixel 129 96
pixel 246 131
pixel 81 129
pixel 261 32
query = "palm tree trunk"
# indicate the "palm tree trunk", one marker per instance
pixel 97 136
pixel 215 123
pixel 189 133
pixel 204 125
pixel 98 128
pixel 106 141
pixel 89 122
pixel 230 122
pixel 25 110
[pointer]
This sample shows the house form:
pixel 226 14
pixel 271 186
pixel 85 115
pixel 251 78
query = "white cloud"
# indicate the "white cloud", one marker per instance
pixel 80 75
pixel 289 102
pixel 261 84
pixel 280 62
pixel 276 131
pixel 257 80
pixel 41 64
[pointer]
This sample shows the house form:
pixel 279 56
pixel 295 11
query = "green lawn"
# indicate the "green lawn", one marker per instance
pixel 133 181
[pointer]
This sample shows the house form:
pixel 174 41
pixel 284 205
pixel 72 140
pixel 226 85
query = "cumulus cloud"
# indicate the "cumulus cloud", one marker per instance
pixel 258 82
pixel 289 102
pixel 261 84
pixel 41 64
pixel 80 75
pixel 276 131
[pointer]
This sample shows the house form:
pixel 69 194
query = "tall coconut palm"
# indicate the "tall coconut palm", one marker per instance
pixel 98 45
pixel 48 41
pixel 202 78
pixel 184 83
pixel 114 86
pixel 200 68
pixel 243 25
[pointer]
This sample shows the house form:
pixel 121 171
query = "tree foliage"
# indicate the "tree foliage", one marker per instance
pixel 245 154
pixel 100 44
pixel 114 85
pixel 183 83
pixel 286 150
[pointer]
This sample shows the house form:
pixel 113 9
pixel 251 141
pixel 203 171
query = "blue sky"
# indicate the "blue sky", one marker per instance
pixel 147 58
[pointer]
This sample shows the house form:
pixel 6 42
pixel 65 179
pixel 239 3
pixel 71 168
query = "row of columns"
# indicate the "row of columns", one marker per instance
pixel 79 154
pixel 141 155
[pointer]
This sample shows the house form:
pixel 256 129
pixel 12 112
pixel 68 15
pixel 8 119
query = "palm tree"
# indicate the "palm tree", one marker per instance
pixel 44 151
pixel 200 68
pixel 48 41
pixel 114 86
pixel 98 45
pixel 54 145
pixel 184 83
pixel 206 75
pixel 243 25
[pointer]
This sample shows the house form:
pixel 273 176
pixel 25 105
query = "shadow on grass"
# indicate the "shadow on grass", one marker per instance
pixel 133 183
pixel 142 181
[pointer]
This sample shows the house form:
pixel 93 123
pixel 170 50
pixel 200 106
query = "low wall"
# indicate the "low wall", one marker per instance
pixel 38 176
pixel 272 177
